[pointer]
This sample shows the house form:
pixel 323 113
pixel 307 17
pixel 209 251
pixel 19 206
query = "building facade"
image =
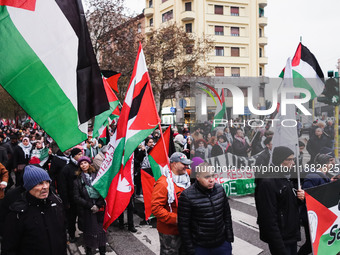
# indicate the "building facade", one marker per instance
pixel 237 27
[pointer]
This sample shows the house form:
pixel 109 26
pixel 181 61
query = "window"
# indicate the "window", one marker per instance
pixel 139 28
pixel 260 71
pixel 261 12
pixel 261 90
pixel 228 93
pixel 219 30
pixel 167 16
pixel 260 32
pixel 164 1
pixel 219 71
pixel 260 52
pixel 188 27
pixel 244 91
pixel 219 9
pixel 235 31
pixel 151 22
pixel 235 72
pixel 188 6
pixel 234 11
pixel 150 4
pixel 219 51
pixel 189 49
pixel 235 52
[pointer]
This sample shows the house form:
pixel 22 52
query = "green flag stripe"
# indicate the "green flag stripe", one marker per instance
pixel 133 141
pixel 102 185
pixel 301 82
pixel 156 170
pixel 101 119
pixel 29 82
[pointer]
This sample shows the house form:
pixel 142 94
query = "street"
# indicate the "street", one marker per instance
pixel 146 242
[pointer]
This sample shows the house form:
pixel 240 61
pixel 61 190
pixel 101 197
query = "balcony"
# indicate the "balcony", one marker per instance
pixel 231 39
pixel 263 21
pixel 187 16
pixel 263 60
pixel 167 4
pixel 148 12
pixel 213 18
pixel 263 41
pixel 262 3
pixel 148 30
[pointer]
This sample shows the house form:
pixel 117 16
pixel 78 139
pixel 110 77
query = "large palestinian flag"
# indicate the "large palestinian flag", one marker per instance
pixel 159 159
pixel 324 217
pixel 307 73
pixel 48 66
pixel 137 120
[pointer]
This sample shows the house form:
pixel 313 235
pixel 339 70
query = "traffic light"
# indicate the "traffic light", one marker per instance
pixel 331 92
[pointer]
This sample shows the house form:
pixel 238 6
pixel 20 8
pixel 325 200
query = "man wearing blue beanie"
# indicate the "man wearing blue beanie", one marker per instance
pixel 35 223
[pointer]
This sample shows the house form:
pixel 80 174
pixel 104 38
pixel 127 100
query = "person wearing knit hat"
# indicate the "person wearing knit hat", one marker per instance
pixel 84 158
pixel 35 176
pixel 75 151
pixel 277 205
pixel 35 223
pixel 90 206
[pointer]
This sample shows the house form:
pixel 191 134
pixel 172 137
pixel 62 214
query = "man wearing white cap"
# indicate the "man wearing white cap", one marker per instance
pixel 164 203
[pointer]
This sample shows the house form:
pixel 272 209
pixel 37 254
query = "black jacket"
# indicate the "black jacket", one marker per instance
pixel 34 226
pixel 278 213
pixel 315 144
pixel 84 204
pixel 66 185
pixel 239 148
pixel 204 217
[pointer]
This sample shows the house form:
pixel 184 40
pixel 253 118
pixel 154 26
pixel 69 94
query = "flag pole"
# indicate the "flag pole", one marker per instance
pixel 298 164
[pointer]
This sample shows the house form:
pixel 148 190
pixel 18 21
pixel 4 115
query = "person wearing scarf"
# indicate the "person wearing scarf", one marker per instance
pixel 240 146
pixel 164 202
pixel 90 208
pixel 21 157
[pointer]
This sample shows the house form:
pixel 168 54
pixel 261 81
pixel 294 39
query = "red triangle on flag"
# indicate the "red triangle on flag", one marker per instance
pixel 22 4
pixel 113 81
pixel 325 218
pixel 297 56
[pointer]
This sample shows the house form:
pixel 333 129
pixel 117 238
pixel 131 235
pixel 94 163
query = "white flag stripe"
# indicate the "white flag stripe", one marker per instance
pixel 51 48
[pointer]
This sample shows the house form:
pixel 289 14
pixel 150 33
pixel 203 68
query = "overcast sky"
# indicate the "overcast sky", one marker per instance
pixel 316 21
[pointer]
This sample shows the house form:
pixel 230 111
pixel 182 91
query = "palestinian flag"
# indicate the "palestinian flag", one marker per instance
pixel 307 73
pixel 50 67
pixel 39 156
pixel 137 120
pixel 324 217
pixel 220 112
pixel 113 81
pixel 159 159
pixel 105 118
pixel 104 137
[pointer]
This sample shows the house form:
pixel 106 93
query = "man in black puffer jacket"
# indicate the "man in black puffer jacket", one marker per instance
pixel 204 218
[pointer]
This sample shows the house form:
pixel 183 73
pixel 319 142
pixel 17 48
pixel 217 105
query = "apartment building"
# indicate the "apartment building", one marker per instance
pixel 237 28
